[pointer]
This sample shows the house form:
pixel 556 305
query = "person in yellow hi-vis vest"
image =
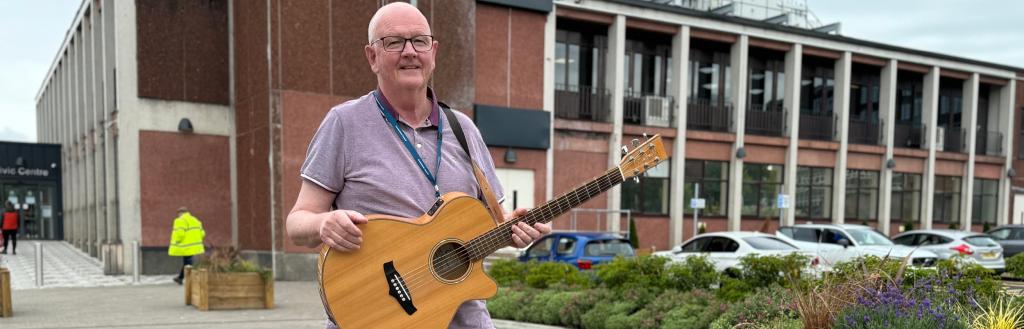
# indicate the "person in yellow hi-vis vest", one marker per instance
pixel 186 239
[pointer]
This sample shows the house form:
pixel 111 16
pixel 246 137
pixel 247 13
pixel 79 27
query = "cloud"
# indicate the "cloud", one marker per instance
pixel 10 135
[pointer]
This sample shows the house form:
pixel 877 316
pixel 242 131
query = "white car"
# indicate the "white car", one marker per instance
pixel 724 249
pixel 841 243
pixel 973 247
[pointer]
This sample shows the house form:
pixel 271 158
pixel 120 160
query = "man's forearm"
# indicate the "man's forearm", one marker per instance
pixel 304 228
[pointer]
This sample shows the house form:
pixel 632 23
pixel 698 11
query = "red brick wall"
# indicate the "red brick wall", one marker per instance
pixel 190 170
pixel 182 50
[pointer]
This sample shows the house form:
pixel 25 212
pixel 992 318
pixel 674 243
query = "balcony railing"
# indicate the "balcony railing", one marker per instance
pixel 908 136
pixel 816 126
pixel 989 143
pixel 864 132
pixel 952 139
pixel 582 103
pixel 702 114
pixel 648 110
pixel 765 120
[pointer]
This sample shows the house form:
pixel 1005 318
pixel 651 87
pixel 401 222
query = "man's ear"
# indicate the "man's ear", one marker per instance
pixel 371 57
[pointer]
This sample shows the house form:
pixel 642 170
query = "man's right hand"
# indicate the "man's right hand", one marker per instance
pixel 338 229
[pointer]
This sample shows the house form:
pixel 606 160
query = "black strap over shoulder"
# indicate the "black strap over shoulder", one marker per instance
pixel 456 128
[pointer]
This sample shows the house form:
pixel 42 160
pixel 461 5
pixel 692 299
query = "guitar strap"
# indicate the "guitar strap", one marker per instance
pixel 485 187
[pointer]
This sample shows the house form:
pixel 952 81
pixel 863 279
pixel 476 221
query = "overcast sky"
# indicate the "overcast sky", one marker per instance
pixel 32 31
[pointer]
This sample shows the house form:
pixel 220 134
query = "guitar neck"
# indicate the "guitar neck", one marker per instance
pixel 501 236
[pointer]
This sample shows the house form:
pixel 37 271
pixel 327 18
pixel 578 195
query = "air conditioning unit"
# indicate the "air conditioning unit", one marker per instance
pixel 940 138
pixel 657 111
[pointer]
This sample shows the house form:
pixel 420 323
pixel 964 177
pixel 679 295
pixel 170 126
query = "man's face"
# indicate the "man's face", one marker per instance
pixel 408 68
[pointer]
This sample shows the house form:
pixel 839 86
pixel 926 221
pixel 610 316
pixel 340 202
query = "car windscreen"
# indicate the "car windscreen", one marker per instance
pixel 608 248
pixel 768 243
pixel 980 241
pixel 869 237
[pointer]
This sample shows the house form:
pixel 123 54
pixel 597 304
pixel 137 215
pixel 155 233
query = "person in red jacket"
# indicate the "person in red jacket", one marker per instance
pixel 10 227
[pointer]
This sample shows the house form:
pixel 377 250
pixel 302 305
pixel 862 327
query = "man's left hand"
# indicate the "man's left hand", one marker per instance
pixel 522 234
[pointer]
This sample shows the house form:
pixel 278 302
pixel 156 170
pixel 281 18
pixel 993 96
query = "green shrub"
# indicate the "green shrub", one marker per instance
pixel 507 303
pixel 546 274
pixel 969 276
pixel 763 307
pixel 508 272
pixel 765 271
pixel 888 268
pixel 647 272
pixel 692 310
pixel 599 316
pixel 696 272
pixel 1015 265
pixel 733 289
pixel 578 305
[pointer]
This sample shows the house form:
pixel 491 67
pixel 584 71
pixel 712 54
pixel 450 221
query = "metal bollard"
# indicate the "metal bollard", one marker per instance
pixel 135 261
pixel 39 264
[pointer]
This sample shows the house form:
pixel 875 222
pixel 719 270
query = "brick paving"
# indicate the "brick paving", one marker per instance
pixel 63 266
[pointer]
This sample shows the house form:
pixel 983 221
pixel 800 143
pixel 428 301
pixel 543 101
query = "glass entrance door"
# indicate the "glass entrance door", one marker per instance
pixel 36 207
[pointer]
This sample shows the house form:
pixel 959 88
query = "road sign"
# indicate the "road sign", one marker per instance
pixel 782 202
pixel 696 203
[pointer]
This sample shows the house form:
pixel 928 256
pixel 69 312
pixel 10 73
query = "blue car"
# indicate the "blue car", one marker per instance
pixel 581 249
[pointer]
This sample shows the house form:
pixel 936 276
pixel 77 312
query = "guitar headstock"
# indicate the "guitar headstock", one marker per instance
pixel 643 157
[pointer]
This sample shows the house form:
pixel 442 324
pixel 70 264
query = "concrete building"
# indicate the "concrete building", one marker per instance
pixel 211 105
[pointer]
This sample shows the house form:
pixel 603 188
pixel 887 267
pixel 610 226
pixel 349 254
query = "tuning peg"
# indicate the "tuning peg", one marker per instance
pixel 645 136
pixel 635 142
pixel 636 179
pixel 625 150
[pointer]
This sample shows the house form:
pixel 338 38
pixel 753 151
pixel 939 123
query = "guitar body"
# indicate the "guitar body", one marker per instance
pixel 430 270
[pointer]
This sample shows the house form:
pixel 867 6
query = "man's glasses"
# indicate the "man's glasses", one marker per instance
pixel 420 43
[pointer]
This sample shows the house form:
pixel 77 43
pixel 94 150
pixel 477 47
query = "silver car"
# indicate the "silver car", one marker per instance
pixel 976 247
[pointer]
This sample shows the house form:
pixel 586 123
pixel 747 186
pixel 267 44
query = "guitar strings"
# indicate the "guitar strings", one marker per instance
pixel 494 239
pixel 501 235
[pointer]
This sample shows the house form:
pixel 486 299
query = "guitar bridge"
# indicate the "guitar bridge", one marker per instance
pixel 397 288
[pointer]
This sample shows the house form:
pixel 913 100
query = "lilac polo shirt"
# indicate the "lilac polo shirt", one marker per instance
pixel 356 155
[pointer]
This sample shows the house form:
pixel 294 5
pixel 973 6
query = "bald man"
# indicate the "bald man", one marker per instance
pixel 391 152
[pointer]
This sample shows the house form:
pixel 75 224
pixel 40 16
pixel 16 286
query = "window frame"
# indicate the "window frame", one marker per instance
pixel 872 213
pixel 762 211
pixel 638 205
pixel 704 180
pixel 939 207
pixel 810 187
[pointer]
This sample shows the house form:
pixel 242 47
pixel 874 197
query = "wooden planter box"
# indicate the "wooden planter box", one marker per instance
pixel 5 293
pixel 227 291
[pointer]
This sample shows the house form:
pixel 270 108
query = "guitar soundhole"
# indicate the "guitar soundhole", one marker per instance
pixel 450 261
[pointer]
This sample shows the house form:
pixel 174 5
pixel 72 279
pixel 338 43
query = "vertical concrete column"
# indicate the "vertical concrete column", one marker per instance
pixel 616 81
pixel 791 102
pixel 738 61
pixel 1006 111
pixel 970 123
pixel 930 111
pixel 887 104
pixel 110 122
pixel 550 29
pixel 841 109
pixel 678 91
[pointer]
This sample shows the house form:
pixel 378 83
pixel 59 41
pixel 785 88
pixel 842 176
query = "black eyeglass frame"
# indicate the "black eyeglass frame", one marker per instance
pixel 406 41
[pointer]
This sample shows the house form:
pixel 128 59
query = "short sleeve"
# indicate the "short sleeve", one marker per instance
pixel 325 158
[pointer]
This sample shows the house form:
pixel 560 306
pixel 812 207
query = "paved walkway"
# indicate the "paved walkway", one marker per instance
pixel 76 294
pixel 64 266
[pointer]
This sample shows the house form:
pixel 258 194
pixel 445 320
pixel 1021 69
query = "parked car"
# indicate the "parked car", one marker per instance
pixel 839 243
pixel 1010 237
pixel 581 249
pixel 724 249
pixel 976 247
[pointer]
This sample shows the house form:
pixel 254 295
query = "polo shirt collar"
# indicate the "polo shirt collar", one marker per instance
pixel 435 109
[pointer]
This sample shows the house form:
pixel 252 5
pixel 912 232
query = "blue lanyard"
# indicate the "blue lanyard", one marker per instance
pixel 408 145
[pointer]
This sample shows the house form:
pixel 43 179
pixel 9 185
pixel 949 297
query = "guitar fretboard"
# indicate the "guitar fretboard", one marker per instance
pixel 501 236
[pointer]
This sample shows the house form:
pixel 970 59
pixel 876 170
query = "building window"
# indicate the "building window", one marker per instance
pixel 761 184
pixel 906 197
pixel 813 193
pixel 713 178
pixel 709 74
pixel 861 194
pixel 650 195
pixel 817 86
pixel 579 60
pixel 767 81
pixel 984 207
pixel 947 199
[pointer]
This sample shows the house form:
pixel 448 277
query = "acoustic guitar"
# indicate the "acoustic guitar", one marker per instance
pixel 416 274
